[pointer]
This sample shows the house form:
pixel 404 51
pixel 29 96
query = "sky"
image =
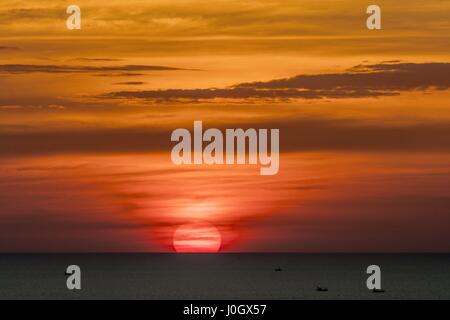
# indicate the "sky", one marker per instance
pixel 86 117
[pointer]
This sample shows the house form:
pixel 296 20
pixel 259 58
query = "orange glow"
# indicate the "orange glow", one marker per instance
pixel 197 237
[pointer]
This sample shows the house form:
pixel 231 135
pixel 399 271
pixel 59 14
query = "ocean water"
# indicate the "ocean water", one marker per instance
pixel 224 276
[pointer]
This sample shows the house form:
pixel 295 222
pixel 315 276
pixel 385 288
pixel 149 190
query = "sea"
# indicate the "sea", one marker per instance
pixel 230 276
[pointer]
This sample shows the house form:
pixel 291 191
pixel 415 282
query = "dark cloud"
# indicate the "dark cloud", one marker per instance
pixel 119 74
pixel 98 59
pixel 32 68
pixel 84 141
pixel 376 80
pixel 2 48
pixel 245 93
pixel 391 223
pixel 382 77
pixel 48 227
pixel 295 135
pixel 131 83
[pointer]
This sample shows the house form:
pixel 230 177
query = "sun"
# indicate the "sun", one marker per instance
pixel 197 237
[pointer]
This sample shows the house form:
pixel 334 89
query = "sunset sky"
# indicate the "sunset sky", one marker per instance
pixel 86 117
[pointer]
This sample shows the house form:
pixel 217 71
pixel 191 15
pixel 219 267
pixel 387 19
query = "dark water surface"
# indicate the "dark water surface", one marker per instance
pixel 224 276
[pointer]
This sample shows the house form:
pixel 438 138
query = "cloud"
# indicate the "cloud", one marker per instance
pixel 30 106
pixel 84 141
pixel 32 68
pixel 297 135
pixel 390 222
pixel 63 217
pixel 131 83
pixel 98 59
pixel 4 48
pixel 361 81
pixel 119 74
pixel 383 76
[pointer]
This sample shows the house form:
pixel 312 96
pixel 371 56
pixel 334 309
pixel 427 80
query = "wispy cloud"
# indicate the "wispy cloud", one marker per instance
pixel 34 68
pixel 4 48
pixel 131 83
pixel 98 59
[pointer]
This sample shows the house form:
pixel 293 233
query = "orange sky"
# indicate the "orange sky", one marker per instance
pixel 86 117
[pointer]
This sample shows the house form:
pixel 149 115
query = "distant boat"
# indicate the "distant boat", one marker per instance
pixel 321 289
pixel 278 270
pixel 377 290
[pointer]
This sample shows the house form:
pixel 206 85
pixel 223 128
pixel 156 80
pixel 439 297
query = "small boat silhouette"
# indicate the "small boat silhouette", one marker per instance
pixel 321 289
pixel 278 270
pixel 377 290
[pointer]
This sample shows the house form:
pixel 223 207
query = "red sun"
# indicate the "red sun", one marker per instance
pixel 197 237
